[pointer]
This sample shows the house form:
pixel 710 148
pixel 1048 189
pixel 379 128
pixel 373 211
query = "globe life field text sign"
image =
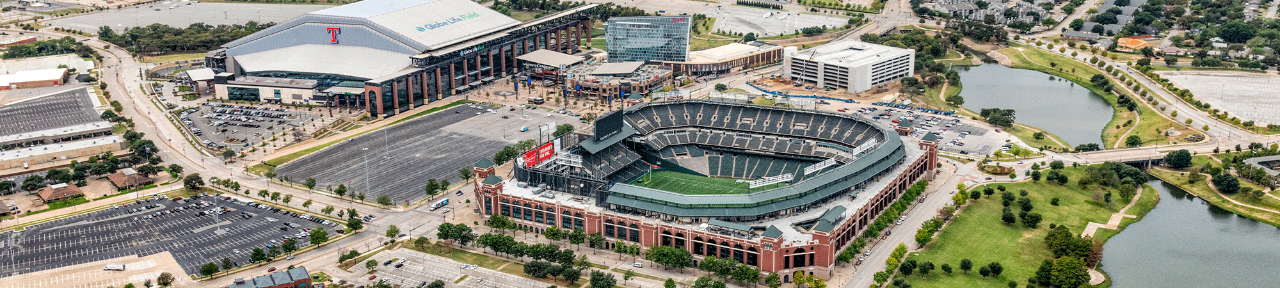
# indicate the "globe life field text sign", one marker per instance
pixel 447 22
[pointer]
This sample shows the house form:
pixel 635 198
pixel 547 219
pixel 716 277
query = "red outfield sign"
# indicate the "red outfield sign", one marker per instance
pixel 536 156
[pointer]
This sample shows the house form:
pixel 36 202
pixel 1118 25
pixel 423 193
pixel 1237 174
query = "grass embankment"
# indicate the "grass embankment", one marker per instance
pixel 172 58
pixel 704 39
pixel 1122 119
pixel 1028 135
pixel 978 234
pixel 269 165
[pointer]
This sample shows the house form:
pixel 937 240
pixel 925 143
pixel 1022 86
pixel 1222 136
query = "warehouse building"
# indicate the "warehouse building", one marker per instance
pixel 853 65
pixel 400 54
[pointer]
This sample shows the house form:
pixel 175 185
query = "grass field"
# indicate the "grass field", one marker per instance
pixel 1201 189
pixel 172 57
pixel 978 234
pixel 690 184
pixel 695 185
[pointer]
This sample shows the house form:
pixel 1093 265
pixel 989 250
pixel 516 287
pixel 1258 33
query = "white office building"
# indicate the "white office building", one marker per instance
pixel 853 65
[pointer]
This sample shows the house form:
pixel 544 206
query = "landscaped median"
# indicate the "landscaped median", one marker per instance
pixel 1020 232
pixel 269 165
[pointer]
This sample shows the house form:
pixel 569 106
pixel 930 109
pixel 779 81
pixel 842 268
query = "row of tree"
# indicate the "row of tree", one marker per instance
pixel 158 38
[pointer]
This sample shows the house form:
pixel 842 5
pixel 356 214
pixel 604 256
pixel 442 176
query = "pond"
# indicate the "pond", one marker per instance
pixel 1186 242
pixel 1073 113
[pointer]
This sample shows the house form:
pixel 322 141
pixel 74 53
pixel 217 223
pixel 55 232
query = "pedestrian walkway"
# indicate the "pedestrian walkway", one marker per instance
pixel 1114 222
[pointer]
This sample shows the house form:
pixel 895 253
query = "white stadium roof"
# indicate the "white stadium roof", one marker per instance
pixel 431 23
pixel 326 59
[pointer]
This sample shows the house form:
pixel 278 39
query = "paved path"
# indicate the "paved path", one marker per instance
pixel 1114 222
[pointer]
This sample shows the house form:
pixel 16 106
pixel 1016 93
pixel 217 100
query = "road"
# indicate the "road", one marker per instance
pixel 896 13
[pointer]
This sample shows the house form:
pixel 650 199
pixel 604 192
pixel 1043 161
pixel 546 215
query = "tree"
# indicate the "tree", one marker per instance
pixel 208 270
pixel 327 209
pixel 392 231
pixel 1178 159
pixel 571 275
pixel 307 204
pixel 385 200
pixel 1032 220
pixel 1133 141
pixel 577 237
pixel 287 198
pixel 436 284
pixel 193 182
pixel 1008 217
pixel 227 264
pixel 319 236
pixel 432 188
pixel 984 271
pixel 227 154
pixel 946 268
pixel 289 246
pixel 310 183
pixel 360 196
pixel 1226 183
pixel 670 283
pixel 342 190
pixel 258 255
pixel 165 279
pixel 1144 61
pixel 707 282
pixel 670 256
pixel 1069 272
pixel 1170 60
pixel 626 276
pixel 602 280
pixel 1236 31
pixel 465 173
pixel 773 280
pixel 275 196
pixel 996 268
pixel 371 264
pixel 906 268
pixel 721 87
pixel 925 268
pixel 966 265
pixel 745 274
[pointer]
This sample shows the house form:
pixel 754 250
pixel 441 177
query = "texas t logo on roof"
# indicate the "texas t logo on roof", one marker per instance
pixel 333 34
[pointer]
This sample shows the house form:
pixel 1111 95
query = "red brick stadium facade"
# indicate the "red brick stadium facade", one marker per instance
pixel 816 257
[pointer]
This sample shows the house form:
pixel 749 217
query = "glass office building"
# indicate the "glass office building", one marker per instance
pixel 650 38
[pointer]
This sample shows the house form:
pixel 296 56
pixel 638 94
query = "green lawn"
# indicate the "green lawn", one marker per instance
pixel 55 205
pixel 1028 135
pixel 486 261
pixel 599 43
pixel 1034 59
pixel 693 184
pixel 978 234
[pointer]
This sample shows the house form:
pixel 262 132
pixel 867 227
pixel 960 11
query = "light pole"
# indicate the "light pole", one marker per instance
pixel 366 171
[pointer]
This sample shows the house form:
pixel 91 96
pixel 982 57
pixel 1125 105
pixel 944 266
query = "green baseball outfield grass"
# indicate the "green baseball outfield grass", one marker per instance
pixel 693 184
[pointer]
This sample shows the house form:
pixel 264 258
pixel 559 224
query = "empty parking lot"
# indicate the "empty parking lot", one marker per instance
pixel 402 158
pixel 193 239
pixel 1249 96
pixel 185 15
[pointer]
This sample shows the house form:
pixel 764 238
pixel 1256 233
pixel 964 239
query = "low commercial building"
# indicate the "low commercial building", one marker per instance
pixel 33 79
pixel 1079 35
pixel 295 277
pixel 616 81
pixel 5 43
pixel 128 178
pixel 65 151
pixel 59 192
pixel 545 64
pixel 268 89
pixel 728 59
pixel 846 64
pixel 1131 44
pixel 201 80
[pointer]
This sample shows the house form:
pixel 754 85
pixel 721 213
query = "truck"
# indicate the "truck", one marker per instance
pixel 439 204
pixel 114 267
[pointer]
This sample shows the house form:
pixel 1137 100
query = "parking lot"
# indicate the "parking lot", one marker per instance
pixel 419 268
pixel 953 135
pixel 1249 96
pixel 753 20
pixel 184 15
pixel 402 158
pixel 237 126
pixel 186 228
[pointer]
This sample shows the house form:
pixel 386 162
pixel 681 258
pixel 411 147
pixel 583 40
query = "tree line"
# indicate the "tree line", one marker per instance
pixel 158 38
pixel 62 45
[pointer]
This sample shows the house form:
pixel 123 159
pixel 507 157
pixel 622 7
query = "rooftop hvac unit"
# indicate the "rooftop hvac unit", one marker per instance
pixel 521 185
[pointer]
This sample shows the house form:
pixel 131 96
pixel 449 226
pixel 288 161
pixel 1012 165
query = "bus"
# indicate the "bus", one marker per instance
pixel 536 100
pixel 439 204
pixel 114 267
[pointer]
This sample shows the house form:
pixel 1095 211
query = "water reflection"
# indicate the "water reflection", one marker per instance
pixel 1178 244
pixel 1074 113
